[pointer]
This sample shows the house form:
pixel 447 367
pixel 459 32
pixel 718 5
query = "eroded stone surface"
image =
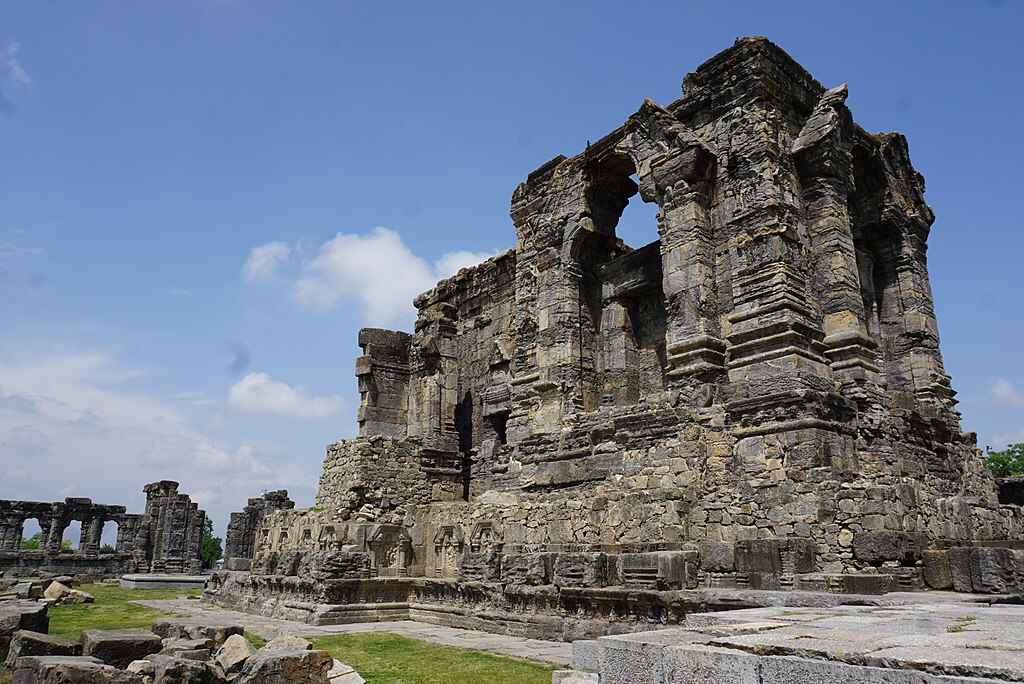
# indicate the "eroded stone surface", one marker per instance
pixel 576 431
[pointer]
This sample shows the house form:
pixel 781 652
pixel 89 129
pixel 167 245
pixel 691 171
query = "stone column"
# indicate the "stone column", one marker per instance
pixel 677 170
pixel 920 336
pixel 824 163
pixel 11 532
pixel 692 336
pixel 54 539
pixel 92 534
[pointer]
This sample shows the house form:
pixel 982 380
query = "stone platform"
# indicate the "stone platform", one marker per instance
pixel 202 612
pixel 920 643
pixel 159 581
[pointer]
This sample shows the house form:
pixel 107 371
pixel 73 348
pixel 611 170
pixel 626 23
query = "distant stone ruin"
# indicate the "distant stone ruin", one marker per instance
pixel 580 437
pixel 243 526
pixel 164 539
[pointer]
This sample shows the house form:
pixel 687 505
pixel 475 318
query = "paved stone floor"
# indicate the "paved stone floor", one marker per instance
pixel 554 652
pixel 941 642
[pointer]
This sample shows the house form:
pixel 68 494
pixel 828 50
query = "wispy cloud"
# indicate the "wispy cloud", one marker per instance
pixel 264 261
pixel 1006 395
pixel 12 73
pixel 79 423
pixel 259 394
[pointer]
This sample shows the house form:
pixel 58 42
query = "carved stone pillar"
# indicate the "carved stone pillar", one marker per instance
pixel 824 162
pixel 11 531
pixel 677 171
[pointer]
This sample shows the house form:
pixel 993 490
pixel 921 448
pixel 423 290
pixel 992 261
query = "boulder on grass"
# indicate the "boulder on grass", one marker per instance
pixel 63 594
pixel 69 670
pixel 26 643
pixel 119 647
pixel 286 667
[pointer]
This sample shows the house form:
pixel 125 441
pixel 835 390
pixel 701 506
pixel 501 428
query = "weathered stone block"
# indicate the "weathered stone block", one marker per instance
pixel 286 667
pixel 658 569
pixel 527 568
pixel 937 573
pixel 878 546
pixel 25 643
pixel 213 632
pixel 120 647
pixel 960 568
pixel 69 670
pixel 181 669
pixel 717 557
pixel 698 664
pixel 480 566
pixel 581 570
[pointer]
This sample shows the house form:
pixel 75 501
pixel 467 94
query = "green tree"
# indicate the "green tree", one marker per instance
pixel 1006 463
pixel 35 543
pixel 210 548
pixel 107 548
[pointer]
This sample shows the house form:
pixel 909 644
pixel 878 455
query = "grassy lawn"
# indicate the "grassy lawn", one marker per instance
pixel 112 609
pixel 383 658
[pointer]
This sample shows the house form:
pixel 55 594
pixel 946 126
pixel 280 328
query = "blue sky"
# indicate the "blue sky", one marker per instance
pixel 191 189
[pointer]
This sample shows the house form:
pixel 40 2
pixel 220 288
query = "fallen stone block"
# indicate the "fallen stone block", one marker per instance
pixel 179 670
pixel 286 667
pixel 120 647
pixel 26 643
pixel 173 646
pixel 70 670
pixel 19 614
pixel 61 594
pixel 231 656
pixel 218 633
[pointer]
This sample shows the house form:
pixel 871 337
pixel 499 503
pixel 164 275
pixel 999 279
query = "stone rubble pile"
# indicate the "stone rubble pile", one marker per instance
pixel 172 652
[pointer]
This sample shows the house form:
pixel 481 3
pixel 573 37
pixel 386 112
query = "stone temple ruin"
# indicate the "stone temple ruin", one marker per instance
pixel 164 539
pixel 580 437
pixel 243 527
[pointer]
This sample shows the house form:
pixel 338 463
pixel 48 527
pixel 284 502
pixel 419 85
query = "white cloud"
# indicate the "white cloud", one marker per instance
pixel 263 261
pixel 259 394
pixel 449 264
pixel 12 65
pixel 1006 394
pixel 11 71
pixel 379 270
pixel 78 424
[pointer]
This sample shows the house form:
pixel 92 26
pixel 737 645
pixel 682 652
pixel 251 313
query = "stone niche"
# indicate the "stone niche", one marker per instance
pixel 577 433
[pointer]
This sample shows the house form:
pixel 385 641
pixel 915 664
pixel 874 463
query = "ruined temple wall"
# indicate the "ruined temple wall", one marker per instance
pixel 376 479
pixel 483 298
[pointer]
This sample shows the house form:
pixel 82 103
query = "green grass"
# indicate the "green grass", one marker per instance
pixel 383 658
pixel 112 610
